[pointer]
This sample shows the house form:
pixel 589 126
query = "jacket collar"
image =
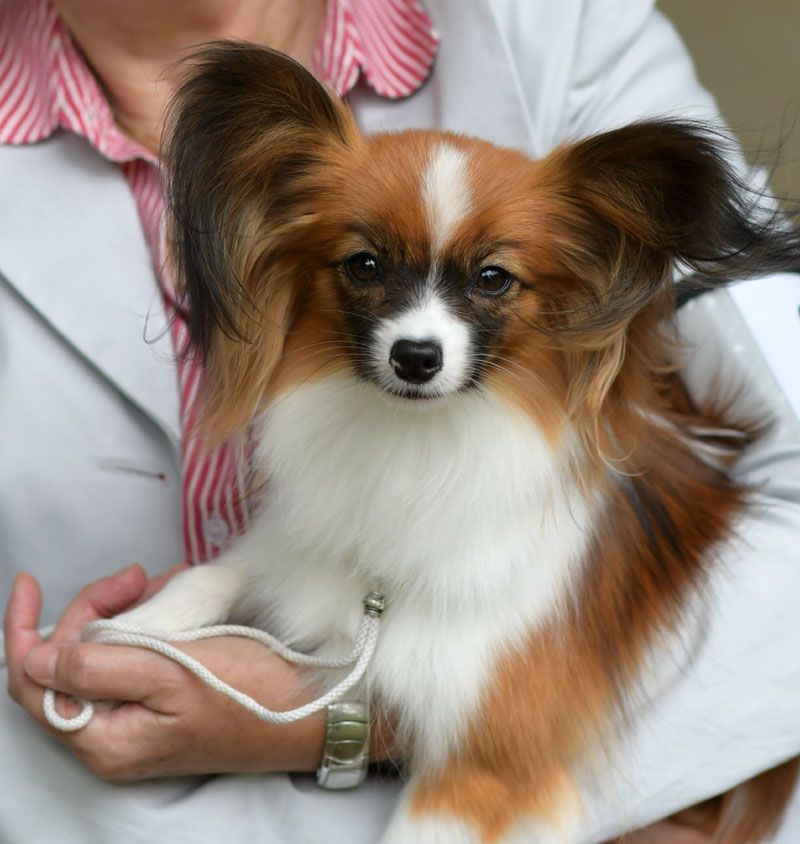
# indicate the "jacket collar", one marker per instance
pixel 475 88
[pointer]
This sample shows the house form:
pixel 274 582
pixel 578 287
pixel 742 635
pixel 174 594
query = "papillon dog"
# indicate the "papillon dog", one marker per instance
pixel 460 365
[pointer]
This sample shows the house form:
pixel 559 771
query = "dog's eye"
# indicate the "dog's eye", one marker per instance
pixel 362 268
pixel 493 281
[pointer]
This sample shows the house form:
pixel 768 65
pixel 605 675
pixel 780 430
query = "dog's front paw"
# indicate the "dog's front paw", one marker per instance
pixel 411 827
pixel 197 597
pixel 154 617
pixel 406 828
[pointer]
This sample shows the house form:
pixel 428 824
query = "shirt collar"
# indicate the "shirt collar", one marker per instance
pixel 393 43
pixel 46 84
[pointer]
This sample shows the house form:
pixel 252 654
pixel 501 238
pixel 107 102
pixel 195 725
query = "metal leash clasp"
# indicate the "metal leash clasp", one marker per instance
pixel 374 604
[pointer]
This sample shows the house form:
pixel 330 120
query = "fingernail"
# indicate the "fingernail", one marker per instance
pixel 40 664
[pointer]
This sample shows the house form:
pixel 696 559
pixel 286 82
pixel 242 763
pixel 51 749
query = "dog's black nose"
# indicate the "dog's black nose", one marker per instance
pixel 416 361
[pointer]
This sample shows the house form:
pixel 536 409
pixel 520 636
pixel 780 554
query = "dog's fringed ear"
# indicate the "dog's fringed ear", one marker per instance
pixel 632 208
pixel 246 131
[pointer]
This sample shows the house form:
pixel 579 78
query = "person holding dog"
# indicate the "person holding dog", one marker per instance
pixel 97 464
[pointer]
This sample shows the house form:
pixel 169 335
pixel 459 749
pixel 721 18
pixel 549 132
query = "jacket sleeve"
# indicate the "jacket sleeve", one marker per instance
pixel 730 709
pixel 628 63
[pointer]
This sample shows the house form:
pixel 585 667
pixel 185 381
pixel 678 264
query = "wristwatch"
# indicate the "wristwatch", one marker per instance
pixel 346 756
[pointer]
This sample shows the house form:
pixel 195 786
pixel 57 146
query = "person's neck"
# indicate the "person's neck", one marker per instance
pixel 132 45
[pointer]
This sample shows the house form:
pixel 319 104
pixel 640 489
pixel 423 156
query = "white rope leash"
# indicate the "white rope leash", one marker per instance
pixel 111 633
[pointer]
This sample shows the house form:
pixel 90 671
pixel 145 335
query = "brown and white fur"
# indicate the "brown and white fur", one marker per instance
pixel 532 498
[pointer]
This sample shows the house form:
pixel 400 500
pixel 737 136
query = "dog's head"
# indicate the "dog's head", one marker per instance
pixel 429 263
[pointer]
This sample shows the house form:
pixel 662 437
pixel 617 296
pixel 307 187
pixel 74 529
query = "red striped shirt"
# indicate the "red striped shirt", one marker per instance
pixel 45 85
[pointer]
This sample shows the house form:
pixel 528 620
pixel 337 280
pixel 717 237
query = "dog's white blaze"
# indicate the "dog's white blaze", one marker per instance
pixel 446 193
pixel 430 319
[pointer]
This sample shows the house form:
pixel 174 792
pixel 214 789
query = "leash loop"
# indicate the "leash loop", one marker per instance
pixel 107 631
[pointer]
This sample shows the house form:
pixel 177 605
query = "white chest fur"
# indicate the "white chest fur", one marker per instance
pixel 460 512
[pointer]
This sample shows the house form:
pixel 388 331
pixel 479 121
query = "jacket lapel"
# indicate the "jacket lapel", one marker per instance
pixel 478 98
pixel 72 247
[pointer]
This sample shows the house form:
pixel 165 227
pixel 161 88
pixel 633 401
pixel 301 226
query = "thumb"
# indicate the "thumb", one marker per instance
pixel 21 618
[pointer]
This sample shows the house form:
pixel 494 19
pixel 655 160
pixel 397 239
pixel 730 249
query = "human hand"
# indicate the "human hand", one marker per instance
pixel 171 722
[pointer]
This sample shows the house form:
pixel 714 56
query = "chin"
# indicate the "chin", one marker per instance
pixel 411 400
pixel 544 529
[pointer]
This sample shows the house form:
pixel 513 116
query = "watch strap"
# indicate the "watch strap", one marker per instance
pixel 346 755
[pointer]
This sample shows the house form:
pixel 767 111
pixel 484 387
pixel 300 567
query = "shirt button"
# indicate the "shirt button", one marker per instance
pixel 215 529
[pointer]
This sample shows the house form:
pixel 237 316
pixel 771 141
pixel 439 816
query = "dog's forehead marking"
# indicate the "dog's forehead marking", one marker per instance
pixel 446 193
